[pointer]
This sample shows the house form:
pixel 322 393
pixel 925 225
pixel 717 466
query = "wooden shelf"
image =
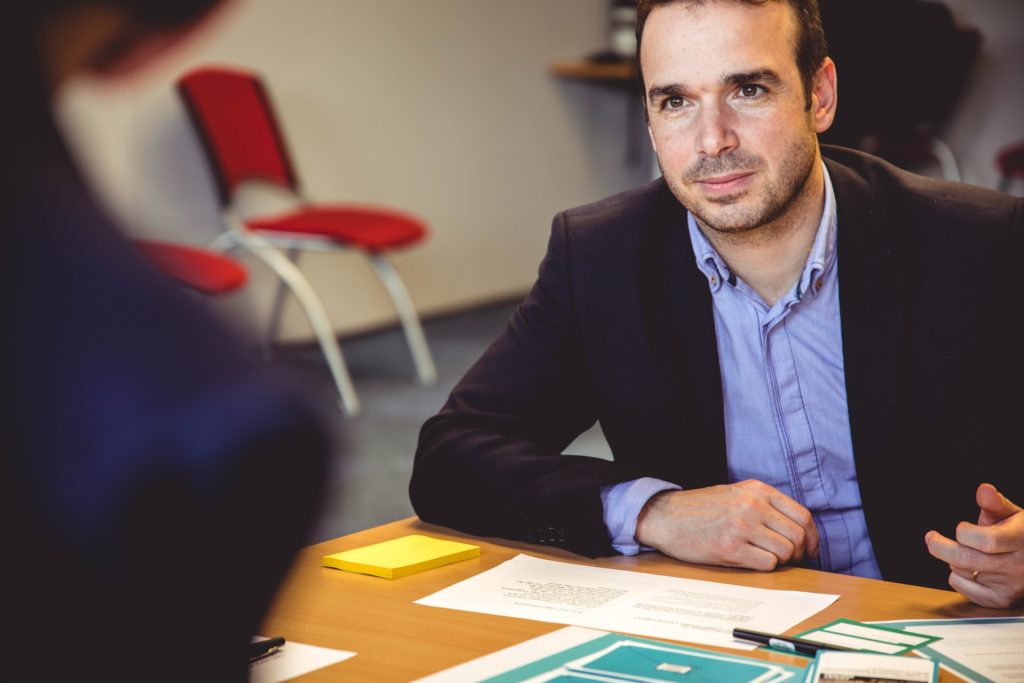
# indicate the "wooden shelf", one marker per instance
pixel 620 72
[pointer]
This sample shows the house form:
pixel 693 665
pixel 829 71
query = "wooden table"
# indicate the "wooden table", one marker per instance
pixel 396 640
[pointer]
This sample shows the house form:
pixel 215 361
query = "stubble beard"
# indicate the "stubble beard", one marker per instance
pixel 777 196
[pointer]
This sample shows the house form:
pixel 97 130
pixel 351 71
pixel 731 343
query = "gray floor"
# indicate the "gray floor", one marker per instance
pixel 369 485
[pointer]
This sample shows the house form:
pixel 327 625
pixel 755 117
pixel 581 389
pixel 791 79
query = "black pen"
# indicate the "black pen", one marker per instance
pixel 264 648
pixel 786 643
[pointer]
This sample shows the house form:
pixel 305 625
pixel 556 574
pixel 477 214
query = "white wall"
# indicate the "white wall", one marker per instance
pixel 443 108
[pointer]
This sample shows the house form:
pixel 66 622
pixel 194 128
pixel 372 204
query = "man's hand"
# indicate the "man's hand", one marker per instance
pixel 986 560
pixel 749 524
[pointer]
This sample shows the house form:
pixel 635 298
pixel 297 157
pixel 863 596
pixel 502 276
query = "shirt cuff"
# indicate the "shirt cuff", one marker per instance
pixel 622 505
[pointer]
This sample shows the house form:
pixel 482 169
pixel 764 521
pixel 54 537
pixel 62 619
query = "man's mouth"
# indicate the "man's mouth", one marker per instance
pixel 725 183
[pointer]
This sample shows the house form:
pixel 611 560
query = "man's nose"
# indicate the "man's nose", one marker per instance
pixel 716 133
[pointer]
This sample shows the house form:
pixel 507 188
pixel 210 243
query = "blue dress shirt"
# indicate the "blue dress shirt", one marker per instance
pixel 786 419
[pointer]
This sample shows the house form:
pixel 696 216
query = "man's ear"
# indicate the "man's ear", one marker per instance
pixel 69 39
pixel 133 47
pixel 824 96
pixel 100 39
pixel 141 44
pixel 647 119
pixel 650 134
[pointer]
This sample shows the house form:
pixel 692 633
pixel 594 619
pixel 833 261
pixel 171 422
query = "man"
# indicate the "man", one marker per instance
pixel 156 479
pixel 794 361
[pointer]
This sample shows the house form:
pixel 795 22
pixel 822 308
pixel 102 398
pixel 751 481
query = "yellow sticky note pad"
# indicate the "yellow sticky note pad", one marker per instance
pixel 401 556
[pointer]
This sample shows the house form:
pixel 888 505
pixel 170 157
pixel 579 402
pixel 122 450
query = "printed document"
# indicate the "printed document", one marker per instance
pixel 633 602
pixel 987 650
pixel 832 666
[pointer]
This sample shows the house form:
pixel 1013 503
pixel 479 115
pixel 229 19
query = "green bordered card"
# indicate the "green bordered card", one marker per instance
pixel 616 658
pixel 862 637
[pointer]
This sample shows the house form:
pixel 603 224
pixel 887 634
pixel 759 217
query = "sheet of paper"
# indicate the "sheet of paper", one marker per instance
pixel 632 602
pixel 579 654
pixel 979 650
pixel 293 660
pixel 864 667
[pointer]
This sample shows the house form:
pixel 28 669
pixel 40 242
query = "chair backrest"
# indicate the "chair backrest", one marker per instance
pixel 232 115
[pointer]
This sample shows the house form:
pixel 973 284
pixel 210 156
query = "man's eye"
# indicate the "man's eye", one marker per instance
pixel 673 102
pixel 751 91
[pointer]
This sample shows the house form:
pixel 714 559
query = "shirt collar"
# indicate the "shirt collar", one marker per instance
pixel 819 262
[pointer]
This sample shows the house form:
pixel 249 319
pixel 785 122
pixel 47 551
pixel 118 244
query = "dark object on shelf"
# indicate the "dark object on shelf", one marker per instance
pixel 903 66
pixel 622 28
pixel 608 57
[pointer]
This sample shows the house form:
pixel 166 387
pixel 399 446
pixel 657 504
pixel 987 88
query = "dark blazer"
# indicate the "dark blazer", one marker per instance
pixel 155 479
pixel 619 328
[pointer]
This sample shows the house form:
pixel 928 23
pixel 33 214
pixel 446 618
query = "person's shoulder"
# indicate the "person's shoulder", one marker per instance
pixel 870 180
pixel 626 221
pixel 108 344
pixel 631 204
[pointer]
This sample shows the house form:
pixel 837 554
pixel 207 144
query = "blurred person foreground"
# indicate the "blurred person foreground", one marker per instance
pixel 156 480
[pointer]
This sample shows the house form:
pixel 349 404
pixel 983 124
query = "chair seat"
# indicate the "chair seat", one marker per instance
pixel 370 228
pixel 202 270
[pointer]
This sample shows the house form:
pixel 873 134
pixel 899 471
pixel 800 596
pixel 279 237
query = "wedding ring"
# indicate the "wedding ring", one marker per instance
pixel 974 575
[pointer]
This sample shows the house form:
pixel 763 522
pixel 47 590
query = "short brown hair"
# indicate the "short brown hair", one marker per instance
pixel 810 36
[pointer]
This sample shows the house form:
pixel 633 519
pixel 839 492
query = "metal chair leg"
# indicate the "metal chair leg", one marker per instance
pixel 227 242
pixel 425 368
pixel 289 274
pixel 224 242
pixel 947 160
pixel 277 308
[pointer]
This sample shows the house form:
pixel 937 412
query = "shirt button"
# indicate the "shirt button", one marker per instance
pixel 818 285
pixel 714 280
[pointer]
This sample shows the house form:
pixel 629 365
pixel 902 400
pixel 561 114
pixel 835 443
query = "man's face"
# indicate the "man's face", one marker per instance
pixel 727 110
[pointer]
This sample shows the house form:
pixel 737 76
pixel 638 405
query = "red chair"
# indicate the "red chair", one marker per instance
pixel 232 114
pixel 203 271
pixel 1011 165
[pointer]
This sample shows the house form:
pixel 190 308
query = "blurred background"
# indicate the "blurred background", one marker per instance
pixel 451 110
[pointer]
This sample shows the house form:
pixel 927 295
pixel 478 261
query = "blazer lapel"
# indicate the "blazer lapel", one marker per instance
pixel 869 302
pixel 686 344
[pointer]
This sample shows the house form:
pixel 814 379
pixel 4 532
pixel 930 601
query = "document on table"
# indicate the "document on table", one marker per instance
pixel 987 650
pixel 832 666
pixel 293 660
pixel 579 654
pixel 633 602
